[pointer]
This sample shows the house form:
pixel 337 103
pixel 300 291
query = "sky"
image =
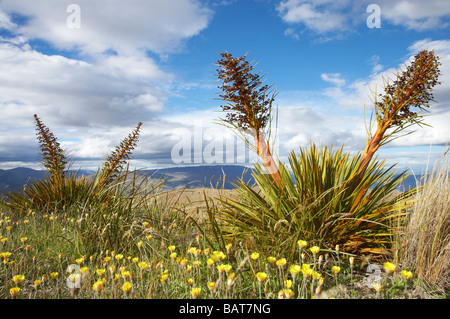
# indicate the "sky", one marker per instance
pixel 92 70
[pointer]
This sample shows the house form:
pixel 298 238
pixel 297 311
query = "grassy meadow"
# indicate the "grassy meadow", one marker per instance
pixel 326 224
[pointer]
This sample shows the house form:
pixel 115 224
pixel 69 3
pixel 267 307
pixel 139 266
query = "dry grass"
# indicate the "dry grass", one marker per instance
pixel 426 241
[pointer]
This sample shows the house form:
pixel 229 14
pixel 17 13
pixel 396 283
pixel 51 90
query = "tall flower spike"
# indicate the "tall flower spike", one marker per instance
pixel 118 158
pixel 401 103
pixel 249 105
pixel 54 158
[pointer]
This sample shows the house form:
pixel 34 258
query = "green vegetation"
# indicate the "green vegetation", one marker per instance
pixel 312 228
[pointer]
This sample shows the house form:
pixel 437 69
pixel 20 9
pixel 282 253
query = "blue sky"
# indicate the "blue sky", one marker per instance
pixel 91 82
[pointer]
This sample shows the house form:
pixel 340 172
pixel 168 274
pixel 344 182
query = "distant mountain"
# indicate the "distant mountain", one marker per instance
pixel 14 179
pixel 215 176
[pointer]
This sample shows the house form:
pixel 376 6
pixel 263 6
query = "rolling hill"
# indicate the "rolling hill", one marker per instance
pixel 190 177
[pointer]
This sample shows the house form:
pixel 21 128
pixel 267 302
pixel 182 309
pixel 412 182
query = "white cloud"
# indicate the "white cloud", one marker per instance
pixel 334 78
pixel 341 16
pixel 320 16
pixel 291 33
pixel 75 92
pixel 5 21
pixel 91 100
pixel 416 14
pixel 374 61
pixel 125 27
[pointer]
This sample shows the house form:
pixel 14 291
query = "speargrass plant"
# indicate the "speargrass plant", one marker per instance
pixel 314 204
pixel 63 188
pixel 323 194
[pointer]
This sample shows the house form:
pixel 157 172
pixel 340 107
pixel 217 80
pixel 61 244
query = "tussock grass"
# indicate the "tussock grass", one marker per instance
pixel 425 242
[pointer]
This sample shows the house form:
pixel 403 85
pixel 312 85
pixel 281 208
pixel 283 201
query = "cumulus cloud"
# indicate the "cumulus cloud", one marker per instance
pixel 340 16
pixel 124 27
pixel 417 14
pixel 5 21
pixel 334 78
pixel 320 16
pixel 92 98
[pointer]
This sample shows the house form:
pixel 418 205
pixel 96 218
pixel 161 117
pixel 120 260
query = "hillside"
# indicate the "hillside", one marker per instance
pixel 215 176
pixel 189 177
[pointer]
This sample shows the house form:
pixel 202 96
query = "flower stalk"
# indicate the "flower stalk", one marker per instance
pixel 249 107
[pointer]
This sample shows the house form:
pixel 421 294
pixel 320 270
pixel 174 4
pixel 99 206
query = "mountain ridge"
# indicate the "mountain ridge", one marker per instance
pixel 190 177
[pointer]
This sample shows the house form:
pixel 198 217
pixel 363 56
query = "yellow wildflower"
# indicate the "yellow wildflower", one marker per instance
pixel 211 286
pixel 285 294
pixel 221 268
pixel 335 270
pixel 389 267
pixel 126 274
pixel 36 283
pixel 254 256
pixel 316 275
pixel 295 269
pixel 281 262
pixel 127 287
pixel 378 287
pixel 195 292
pixel 17 279
pixel 98 286
pixel 219 255
pixel 406 274
pixel 54 275
pixel 302 243
pixel 315 250
pixel 228 268
pixel 100 272
pixel 83 269
pixel 14 291
pixel 183 262
pixel 261 276
pixel 164 278
pixel 271 259
pixel 142 265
